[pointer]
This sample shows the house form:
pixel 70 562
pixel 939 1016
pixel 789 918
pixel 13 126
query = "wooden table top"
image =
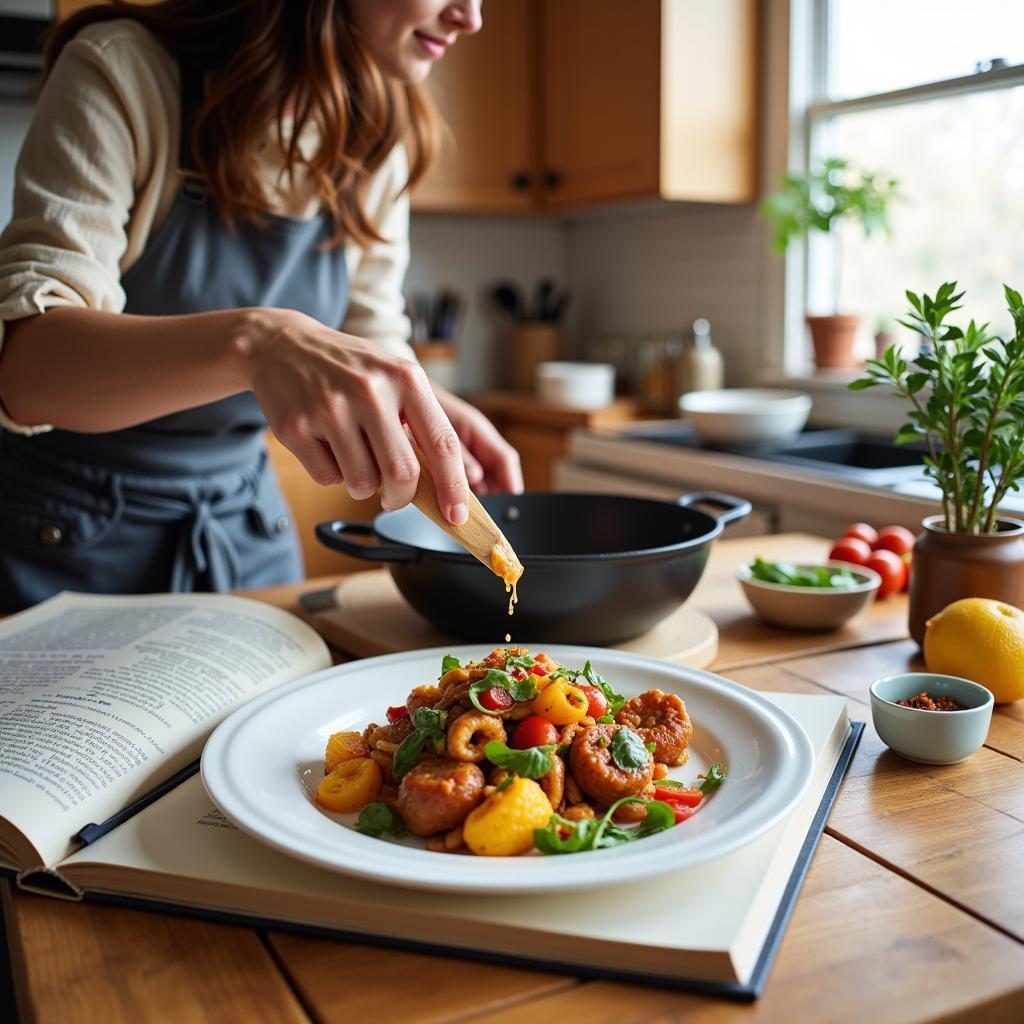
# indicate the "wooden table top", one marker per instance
pixel 913 909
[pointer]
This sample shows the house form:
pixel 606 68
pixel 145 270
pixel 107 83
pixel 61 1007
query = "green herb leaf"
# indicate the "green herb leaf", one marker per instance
pixel 712 780
pixel 375 819
pixel 531 763
pixel 491 678
pixel 605 720
pixel 659 817
pixel 669 784
pixel 519 661
pixel 628 750
pixel 448 662
pixel 408 753
pixel 652 746
pixel 615 700
pixel 592 834
pixel 428 727
pixel 523 689
pixel 504 784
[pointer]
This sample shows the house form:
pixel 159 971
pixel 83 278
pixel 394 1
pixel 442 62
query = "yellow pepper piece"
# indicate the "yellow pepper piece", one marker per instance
pixel 351 786
pixel 502 826
pixel 561 703
pixel 344 746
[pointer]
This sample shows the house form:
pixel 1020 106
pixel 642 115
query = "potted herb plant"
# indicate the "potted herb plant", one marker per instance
pixel 966 393
pixel 818 201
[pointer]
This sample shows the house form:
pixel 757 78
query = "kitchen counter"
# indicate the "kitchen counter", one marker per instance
pixel 913 909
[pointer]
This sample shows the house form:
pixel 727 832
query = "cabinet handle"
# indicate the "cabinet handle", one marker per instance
pixel 552 179
pixel 521 181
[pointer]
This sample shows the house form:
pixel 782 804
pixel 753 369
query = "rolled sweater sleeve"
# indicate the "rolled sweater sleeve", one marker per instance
pixel 376 308
pixel 89 151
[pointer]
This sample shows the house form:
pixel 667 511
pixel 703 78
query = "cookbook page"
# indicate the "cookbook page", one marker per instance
pixel 707 921
pixel 102 698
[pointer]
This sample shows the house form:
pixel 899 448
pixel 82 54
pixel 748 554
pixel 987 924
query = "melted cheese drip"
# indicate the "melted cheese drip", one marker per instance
pixel 509 570
pixel 508 638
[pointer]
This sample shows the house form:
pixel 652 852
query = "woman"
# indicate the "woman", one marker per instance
pixel 207 193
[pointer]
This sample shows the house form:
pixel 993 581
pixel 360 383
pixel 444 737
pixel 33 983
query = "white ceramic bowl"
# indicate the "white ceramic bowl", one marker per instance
pixel 810 608
pixel 578 385
pixel 746 416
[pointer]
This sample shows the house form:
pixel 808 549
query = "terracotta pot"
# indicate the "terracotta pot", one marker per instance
pixel 948 566
pixel 833 338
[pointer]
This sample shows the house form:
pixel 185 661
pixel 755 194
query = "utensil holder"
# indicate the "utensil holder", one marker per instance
pixel 439 360
pixel 530 344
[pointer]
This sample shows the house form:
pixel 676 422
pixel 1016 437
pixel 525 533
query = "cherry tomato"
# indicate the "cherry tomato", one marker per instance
pixel 891 568
pixel 533 732
pixel 518 672
pixel 537 670
pixel 862 531
pixel 897 539
pixel 397 712
pixel 679 810
pixel 686 797
pixel 850 549
pixel 908 560
pixel 598 705
pixel 497 698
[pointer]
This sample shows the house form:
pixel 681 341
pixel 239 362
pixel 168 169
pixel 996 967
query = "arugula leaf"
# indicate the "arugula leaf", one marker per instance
pixel 519 689
pixel 714 778
pixel 448 662
pixel 375 819
pixel 428 726
pixel 628 750
pixel 605 720
pixel 594 834
pixel 519 661
pixel 615 700
pixel 532 763
pixel 562 672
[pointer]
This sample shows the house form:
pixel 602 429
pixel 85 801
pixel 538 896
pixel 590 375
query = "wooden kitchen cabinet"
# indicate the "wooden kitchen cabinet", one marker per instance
pixel 654 98
pixel 487 89
pixel 540 433
pixel 591 101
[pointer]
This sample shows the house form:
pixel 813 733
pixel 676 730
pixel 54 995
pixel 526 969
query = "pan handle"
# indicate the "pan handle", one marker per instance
pixel 735 508
pixel 335 535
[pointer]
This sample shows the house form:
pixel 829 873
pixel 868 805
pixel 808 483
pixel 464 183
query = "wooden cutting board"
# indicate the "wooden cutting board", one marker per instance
pixel 371 617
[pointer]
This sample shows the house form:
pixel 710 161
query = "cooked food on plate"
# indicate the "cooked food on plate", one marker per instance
pixel 513 754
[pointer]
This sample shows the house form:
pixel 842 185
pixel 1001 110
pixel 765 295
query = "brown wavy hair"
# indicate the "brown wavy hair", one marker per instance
pixel 266 56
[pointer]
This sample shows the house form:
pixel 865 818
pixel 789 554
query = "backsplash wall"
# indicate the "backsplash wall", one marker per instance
pixel 648 269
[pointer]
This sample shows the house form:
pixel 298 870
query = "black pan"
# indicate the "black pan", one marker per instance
pixel 599 568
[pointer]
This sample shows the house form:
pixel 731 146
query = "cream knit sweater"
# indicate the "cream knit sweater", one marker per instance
pixel 97 176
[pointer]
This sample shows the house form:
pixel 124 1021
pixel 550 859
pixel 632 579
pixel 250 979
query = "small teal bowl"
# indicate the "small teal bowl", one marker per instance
pixel 931 737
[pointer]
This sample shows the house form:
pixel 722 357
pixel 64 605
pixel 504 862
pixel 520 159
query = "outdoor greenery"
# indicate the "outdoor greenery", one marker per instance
pixel 966 390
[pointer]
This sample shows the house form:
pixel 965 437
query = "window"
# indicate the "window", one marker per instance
pixel 930 92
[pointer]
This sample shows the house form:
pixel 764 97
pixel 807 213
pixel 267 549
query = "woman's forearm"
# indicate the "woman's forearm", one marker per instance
pixel 91 371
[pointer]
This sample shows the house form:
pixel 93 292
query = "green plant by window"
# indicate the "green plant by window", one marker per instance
pixel 966 391
pixel 831 192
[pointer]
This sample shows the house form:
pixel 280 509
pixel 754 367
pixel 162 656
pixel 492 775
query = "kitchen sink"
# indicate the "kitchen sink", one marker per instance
pixel 848 454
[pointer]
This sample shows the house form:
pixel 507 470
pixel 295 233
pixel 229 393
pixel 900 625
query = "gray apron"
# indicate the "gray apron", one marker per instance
pixel 187 501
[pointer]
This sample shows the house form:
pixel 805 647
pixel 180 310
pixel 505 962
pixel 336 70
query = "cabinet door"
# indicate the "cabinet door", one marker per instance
pixel 601 94
pixel 486 91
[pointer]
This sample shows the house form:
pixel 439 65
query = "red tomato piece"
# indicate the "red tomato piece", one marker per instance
pixel 533 732
pixel 850 549
pixel 686 797
pixel 598 701
pixel 862 531
pixel 518 672
pixel 891 568
pixel 897 539
pixel 497 698
pixel 680 811
pixel 537 670
pixel 397 712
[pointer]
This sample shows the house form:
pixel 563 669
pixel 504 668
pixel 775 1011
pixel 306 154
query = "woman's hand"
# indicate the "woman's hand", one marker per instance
pixel 340 404
pixel 492 464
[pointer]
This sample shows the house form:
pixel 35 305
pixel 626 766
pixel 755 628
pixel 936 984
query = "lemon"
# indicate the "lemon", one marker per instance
pixel 980 639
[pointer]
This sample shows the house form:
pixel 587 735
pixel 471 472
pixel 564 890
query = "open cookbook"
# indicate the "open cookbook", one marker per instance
pixel 106 702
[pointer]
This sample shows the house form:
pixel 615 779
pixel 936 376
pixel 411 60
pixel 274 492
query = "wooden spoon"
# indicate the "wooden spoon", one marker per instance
pixel 479 534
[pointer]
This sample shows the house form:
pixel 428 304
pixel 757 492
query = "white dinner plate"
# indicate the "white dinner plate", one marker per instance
pixel 262 764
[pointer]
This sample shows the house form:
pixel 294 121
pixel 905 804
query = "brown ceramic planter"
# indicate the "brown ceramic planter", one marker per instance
pixel 833 338
pixel 948 566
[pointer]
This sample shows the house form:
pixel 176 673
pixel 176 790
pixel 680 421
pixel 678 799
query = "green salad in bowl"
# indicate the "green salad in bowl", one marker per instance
pixel 815 596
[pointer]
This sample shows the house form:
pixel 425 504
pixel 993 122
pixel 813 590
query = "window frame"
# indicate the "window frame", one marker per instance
pixel 808 112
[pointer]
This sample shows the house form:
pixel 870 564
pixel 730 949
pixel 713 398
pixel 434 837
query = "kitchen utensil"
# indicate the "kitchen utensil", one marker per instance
pixel 577 385
pixel 931 737
pixel 542 298
pixel 600 568
pixel 478 535
pixel 260 765
pixel 759 417
pixel 508 298
pixel 810 608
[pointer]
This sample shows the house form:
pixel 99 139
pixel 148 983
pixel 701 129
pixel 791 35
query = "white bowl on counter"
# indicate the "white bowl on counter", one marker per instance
pixel 746 416
pixel 576 385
